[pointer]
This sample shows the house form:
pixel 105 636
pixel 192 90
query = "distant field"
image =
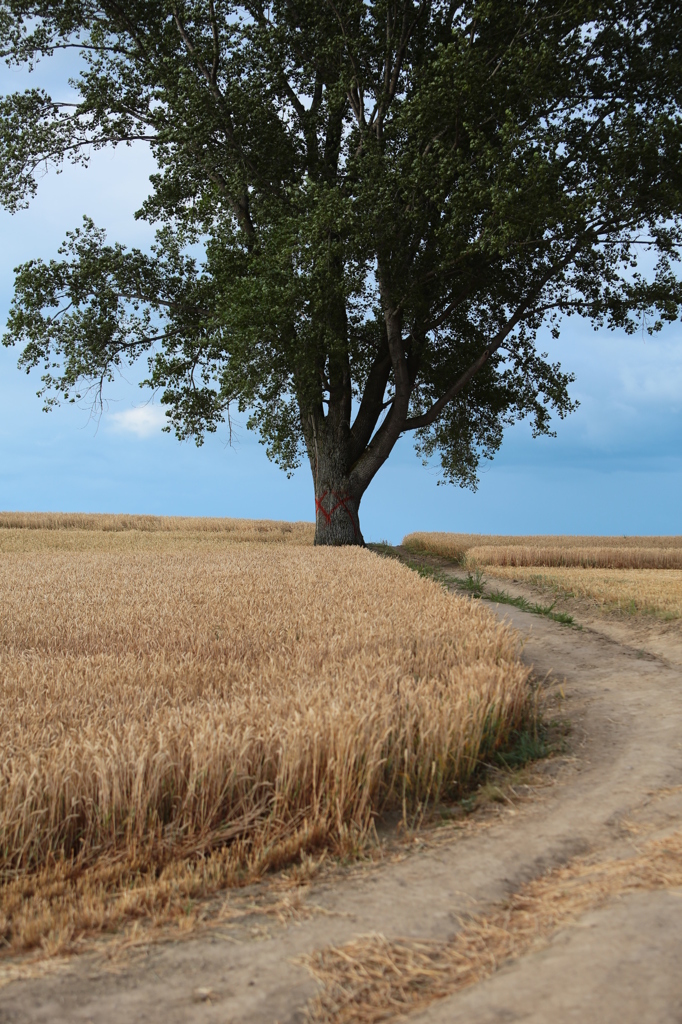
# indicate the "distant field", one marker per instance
pixel 178 720
pixel 474 550
pixel 637 574
pixel 652 591
pixel 36 531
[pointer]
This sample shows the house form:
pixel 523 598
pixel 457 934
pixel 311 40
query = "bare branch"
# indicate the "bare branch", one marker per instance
pixel 355 94
pixel 392 77
pixel 216 42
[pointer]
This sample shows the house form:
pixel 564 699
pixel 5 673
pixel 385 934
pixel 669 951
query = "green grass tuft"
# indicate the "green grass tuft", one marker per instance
pixel 502 597
pixel 525 746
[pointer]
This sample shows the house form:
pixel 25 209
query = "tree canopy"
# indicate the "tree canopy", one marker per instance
pixel 390 199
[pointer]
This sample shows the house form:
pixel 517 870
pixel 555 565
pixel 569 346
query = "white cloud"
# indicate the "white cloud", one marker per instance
pixel 662 383
pixel 142 421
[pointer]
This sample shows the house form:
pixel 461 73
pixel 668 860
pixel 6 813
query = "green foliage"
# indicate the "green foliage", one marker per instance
pixel 429 572
pixel 390 198
pixel 474 583
pixel 502 597
pixel 524 746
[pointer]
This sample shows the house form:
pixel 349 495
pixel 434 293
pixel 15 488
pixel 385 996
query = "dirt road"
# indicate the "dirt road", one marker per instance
pixel 619 781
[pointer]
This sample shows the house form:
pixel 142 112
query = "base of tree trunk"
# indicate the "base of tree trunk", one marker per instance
pixel 336 518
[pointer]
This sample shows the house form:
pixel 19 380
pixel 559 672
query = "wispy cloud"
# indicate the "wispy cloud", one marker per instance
pixel 662 383
pixel 143 421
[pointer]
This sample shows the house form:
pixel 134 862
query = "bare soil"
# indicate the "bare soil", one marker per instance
pixel 618 778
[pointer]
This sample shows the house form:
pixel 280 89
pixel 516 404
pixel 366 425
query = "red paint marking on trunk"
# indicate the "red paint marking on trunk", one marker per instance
pixel 341 502
pixel 319 507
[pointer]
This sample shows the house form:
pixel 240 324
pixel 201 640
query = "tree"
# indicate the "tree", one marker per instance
pixel 391 198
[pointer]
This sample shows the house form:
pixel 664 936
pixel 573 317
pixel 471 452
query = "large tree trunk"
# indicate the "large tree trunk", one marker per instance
pixel 336 514
pixel 337 503
pixel 344 459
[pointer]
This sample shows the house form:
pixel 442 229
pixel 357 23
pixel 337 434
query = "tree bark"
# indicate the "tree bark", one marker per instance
pixel 344 459
pixel 337 504
pixel 337 500
pixel 336 516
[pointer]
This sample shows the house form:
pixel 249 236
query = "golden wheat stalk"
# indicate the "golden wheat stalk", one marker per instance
pixel 183 702
pixel 477 550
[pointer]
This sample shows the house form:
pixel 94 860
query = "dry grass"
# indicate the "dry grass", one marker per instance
pixel 475 550
pixel 649 591
pixel 177 721
pixel 60 531
pixel 374 979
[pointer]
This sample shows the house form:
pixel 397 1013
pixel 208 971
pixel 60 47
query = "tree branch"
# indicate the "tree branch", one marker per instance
pixel 382 443
pixel 216 43
pixel 214 90
pixel 432 414
pixel 356 97
pixel 371 405
pixel 392 76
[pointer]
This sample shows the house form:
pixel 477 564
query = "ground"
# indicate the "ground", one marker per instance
pixel 615 785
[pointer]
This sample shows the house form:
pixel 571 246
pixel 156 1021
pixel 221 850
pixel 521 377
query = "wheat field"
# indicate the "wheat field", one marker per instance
pixel 176 720
pixel 478 550
pixel 59 531
pixel 649 591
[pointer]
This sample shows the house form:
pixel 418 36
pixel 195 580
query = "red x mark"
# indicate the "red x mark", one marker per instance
pixel 341 502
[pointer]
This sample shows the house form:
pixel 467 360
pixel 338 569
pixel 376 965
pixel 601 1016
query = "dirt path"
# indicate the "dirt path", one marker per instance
pixel 621 779
pixel 643 634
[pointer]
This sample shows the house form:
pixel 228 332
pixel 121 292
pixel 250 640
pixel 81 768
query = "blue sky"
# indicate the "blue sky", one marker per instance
pixel 614 468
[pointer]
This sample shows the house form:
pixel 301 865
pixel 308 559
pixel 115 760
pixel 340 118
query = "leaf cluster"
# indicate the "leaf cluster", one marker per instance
pixel 462 174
